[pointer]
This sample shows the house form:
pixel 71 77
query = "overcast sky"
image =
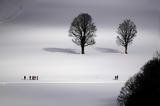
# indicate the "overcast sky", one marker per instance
pixel 105 13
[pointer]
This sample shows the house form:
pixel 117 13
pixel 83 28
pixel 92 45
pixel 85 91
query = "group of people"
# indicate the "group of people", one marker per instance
pixel 36 77
pixel 31 77
pixel 116 77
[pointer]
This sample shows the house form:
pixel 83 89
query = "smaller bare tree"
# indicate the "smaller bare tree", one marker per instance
pixel 127 31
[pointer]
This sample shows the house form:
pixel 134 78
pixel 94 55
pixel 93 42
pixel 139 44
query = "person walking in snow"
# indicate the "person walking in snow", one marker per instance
pixel 117 77
pixel 24 77
pixel 30 77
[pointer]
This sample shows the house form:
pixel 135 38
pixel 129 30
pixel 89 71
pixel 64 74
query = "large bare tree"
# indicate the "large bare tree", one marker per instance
pixel 127 31
pixel 83 30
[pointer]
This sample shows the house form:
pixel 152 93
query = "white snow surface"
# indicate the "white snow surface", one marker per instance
pixel 66 77
pixel 49 53
pixel 62 94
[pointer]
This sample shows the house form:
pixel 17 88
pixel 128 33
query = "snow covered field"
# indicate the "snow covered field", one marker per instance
pixel 34 41
pixel 59 94
pixel 66 78
pixel 50 54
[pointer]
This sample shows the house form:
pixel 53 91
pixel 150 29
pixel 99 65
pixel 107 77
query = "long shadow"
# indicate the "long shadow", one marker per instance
pixel 62 50
pixel 107 50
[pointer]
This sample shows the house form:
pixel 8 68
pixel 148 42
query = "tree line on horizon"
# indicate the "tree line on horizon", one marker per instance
pixel 83 30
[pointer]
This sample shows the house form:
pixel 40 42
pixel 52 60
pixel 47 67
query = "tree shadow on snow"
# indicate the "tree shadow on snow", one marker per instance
pixel 62 50
pixel 107 50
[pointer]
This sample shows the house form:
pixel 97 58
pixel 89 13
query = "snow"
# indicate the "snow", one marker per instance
pixel 44 94
pixel 34 41
pixel 66 77
pixel 49 53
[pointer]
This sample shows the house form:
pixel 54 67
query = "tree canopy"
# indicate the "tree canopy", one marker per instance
pixel 143 89
pixel 83 30
pixel 127 31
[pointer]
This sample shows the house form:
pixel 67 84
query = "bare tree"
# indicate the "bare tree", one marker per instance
pixel 83 30
pixel 127 31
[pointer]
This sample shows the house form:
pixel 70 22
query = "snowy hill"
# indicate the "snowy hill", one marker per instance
pixel 50 54
pixel 34 40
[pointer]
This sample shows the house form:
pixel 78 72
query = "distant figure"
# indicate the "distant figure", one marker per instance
pixel 116 77
pixel 30 78
pixel 24 77
pixel 33 77
pixel 37 77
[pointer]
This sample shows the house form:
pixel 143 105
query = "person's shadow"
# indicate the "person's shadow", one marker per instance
pixel 61 50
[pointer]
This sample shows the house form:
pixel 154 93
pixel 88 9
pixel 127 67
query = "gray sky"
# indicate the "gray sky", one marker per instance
pixel 105 13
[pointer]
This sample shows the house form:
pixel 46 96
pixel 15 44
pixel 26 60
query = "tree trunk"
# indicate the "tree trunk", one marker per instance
pixel 82 49
pixel 83 43
pixel 126 50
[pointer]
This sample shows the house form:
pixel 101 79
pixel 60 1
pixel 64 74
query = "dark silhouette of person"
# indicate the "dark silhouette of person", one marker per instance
pixel 30 77
pixel 37 77
pixel 115 77
pixel 33 77
pixel 24 77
